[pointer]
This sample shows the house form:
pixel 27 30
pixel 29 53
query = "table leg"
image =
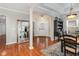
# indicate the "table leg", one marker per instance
pixel 37 40
pixel 46 42
pixel 62 46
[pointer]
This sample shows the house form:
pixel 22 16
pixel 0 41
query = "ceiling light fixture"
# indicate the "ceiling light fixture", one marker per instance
pixel 72 15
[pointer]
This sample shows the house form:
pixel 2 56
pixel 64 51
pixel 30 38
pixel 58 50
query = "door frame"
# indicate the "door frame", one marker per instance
pixel 4 42
pixel 17 27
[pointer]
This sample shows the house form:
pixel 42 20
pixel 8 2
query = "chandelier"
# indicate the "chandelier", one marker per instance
pixel 71 15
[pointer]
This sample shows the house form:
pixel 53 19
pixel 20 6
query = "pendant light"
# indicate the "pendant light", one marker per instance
pixel 71 15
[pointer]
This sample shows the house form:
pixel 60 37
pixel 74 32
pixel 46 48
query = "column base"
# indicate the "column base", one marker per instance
pixel 31 47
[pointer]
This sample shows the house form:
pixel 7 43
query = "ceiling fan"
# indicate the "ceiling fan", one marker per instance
pixel 71 14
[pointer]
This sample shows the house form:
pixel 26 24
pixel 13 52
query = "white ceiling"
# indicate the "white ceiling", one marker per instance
pixel 59 8
pixel 18 7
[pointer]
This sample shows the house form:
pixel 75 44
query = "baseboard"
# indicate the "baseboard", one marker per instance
pixel 11 43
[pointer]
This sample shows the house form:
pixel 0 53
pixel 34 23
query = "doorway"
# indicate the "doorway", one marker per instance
pixel 23 31
pixel 2 32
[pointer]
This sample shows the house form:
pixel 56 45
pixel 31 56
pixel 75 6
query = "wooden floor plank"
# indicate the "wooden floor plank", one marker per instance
pixel 23 50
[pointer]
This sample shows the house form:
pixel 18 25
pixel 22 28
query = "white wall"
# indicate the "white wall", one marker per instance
pixel 11 24
pixel 65 24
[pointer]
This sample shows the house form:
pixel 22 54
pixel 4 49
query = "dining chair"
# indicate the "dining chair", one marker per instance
pixel 70 45
pixel 61 38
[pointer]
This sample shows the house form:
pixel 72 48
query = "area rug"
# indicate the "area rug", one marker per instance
pixel 54 50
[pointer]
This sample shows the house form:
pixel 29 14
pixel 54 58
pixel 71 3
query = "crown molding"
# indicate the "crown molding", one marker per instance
pixel 12 10
pixel 49 12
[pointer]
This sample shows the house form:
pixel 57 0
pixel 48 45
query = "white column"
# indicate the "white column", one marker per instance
pixel 31 29
pixel 52 28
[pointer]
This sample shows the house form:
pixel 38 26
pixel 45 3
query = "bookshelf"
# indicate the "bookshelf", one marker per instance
pixel 58 27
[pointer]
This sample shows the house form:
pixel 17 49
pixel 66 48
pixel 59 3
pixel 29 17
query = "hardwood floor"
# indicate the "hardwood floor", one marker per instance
pixel 22 49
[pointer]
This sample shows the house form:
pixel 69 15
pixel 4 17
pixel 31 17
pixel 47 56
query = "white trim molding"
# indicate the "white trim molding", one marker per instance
pixel 12 10
pixel 10 43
